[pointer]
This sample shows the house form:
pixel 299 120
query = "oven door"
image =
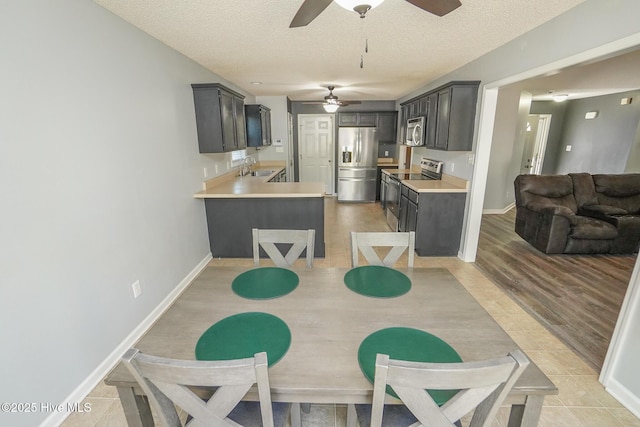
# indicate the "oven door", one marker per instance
pixel 393 202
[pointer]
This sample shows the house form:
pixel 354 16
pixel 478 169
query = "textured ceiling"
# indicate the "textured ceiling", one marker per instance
pixel 247 41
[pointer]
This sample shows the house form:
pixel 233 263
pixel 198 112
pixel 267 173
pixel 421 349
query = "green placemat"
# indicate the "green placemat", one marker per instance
pixel 406 344
pixel 377 281
pixel 265 283
pixel 243 335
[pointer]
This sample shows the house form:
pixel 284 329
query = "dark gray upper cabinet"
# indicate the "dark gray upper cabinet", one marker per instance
pixel 456 117
pixel 220 119
pixel 258 119
pixel 432 119
pixel 356 119
pixel 386 123
pixel 450 111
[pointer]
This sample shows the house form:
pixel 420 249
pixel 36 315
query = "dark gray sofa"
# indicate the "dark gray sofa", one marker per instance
pixel 579 213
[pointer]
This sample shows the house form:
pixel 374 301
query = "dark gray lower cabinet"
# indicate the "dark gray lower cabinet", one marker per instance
pixel 436 219
pixel 230 221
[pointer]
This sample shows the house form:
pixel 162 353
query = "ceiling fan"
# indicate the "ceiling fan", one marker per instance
pixel 331 102
pixel 310 9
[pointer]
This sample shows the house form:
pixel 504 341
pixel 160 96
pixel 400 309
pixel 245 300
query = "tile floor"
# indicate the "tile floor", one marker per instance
pixel 581 402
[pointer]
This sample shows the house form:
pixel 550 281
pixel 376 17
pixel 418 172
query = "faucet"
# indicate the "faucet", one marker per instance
pixel 247 162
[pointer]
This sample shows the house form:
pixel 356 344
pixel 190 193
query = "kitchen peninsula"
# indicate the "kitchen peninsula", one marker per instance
pixel 236 204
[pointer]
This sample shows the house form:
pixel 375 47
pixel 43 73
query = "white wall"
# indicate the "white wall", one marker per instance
pixel 98 164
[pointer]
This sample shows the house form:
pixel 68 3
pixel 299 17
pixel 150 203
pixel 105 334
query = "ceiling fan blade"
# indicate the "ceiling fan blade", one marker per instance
pixel 309 10
pixel 349 102
pixel 437 7
pixel 314 102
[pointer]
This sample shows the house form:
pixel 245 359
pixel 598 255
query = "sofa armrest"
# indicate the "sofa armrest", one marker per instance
pixel 550 209
pixel 601 210
pixel 546 227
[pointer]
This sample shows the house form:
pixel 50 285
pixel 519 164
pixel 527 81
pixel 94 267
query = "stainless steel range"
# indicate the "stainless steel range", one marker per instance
pixel 429 169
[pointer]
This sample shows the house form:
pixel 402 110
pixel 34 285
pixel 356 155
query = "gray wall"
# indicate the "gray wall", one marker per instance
pixel 554 140
pixel 603 144
pixel 98 163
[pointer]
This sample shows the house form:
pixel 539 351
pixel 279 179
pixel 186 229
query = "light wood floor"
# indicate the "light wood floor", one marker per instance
pixel 576 297
pixel 581 402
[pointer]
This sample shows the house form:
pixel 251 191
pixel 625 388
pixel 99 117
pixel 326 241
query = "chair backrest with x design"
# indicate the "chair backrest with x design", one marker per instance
pixel 166 382
pixel 366 242
pixel 298 239
pixel 482 386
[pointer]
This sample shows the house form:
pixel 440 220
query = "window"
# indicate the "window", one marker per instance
pixel 237 157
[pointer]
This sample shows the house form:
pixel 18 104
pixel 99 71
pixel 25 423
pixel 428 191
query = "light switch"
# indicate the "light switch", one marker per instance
pixel 567 148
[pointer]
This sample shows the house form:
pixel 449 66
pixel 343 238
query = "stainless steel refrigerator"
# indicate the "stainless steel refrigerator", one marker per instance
pixel 357 164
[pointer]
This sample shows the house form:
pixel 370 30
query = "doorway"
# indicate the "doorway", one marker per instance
pixel 535 143
pixel 315 149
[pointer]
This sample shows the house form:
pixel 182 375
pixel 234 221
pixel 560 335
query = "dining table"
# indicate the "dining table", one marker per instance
pixel 328 321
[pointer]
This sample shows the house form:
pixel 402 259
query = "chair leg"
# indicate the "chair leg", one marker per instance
pixel 351 415
pixel 296 418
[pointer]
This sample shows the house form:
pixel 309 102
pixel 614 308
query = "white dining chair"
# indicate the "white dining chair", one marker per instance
pixel 482 386
pixel 298 239
pixel 366 242
pixel 167 383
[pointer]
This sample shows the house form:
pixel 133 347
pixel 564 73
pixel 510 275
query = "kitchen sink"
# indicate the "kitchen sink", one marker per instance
pixel 262 172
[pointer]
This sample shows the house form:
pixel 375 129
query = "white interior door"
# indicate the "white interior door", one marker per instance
pixel 535 143
pixel 315 148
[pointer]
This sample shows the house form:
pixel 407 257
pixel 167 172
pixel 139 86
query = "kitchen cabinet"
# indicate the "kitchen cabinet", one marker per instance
pixel 258 118
pixel 386 124
pixel 432 118
pixel 408 216
pixel 456 113
pixel 404 116
pixel 357 119
pixel 451 113
pixel 435 217
pixel 220 119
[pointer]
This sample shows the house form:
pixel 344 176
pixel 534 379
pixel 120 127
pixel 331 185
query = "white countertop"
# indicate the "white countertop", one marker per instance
pixel 230 186
pixel 448 183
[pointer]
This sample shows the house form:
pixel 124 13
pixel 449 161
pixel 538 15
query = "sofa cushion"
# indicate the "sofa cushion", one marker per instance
pixel 584 190
pixel 545 190
pixel 620 191
pixel 583 227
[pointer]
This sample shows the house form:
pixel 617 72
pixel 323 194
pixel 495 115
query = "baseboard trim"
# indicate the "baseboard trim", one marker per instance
pixel 623 395
pixel 83 390
pixel 498 211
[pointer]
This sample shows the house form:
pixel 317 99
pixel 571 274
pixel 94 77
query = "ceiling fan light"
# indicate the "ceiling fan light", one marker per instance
pixel 560 97
pixel 330 108
pixel 352 4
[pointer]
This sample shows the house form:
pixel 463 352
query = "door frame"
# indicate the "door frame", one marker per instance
pixel 539 148
pixel 332 149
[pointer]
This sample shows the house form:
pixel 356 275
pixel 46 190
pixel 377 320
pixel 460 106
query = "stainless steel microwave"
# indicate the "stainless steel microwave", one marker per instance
pixel 415 131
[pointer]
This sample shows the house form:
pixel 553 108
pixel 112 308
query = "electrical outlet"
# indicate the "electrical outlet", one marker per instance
pixel 568 148
pixel 471 158
pixel 137 290
pixel 386 154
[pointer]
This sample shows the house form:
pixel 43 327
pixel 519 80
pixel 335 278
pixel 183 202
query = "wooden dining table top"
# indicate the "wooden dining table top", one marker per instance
pixel 328 321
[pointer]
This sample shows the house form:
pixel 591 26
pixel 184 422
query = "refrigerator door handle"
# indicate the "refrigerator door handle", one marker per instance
pixel 358 147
